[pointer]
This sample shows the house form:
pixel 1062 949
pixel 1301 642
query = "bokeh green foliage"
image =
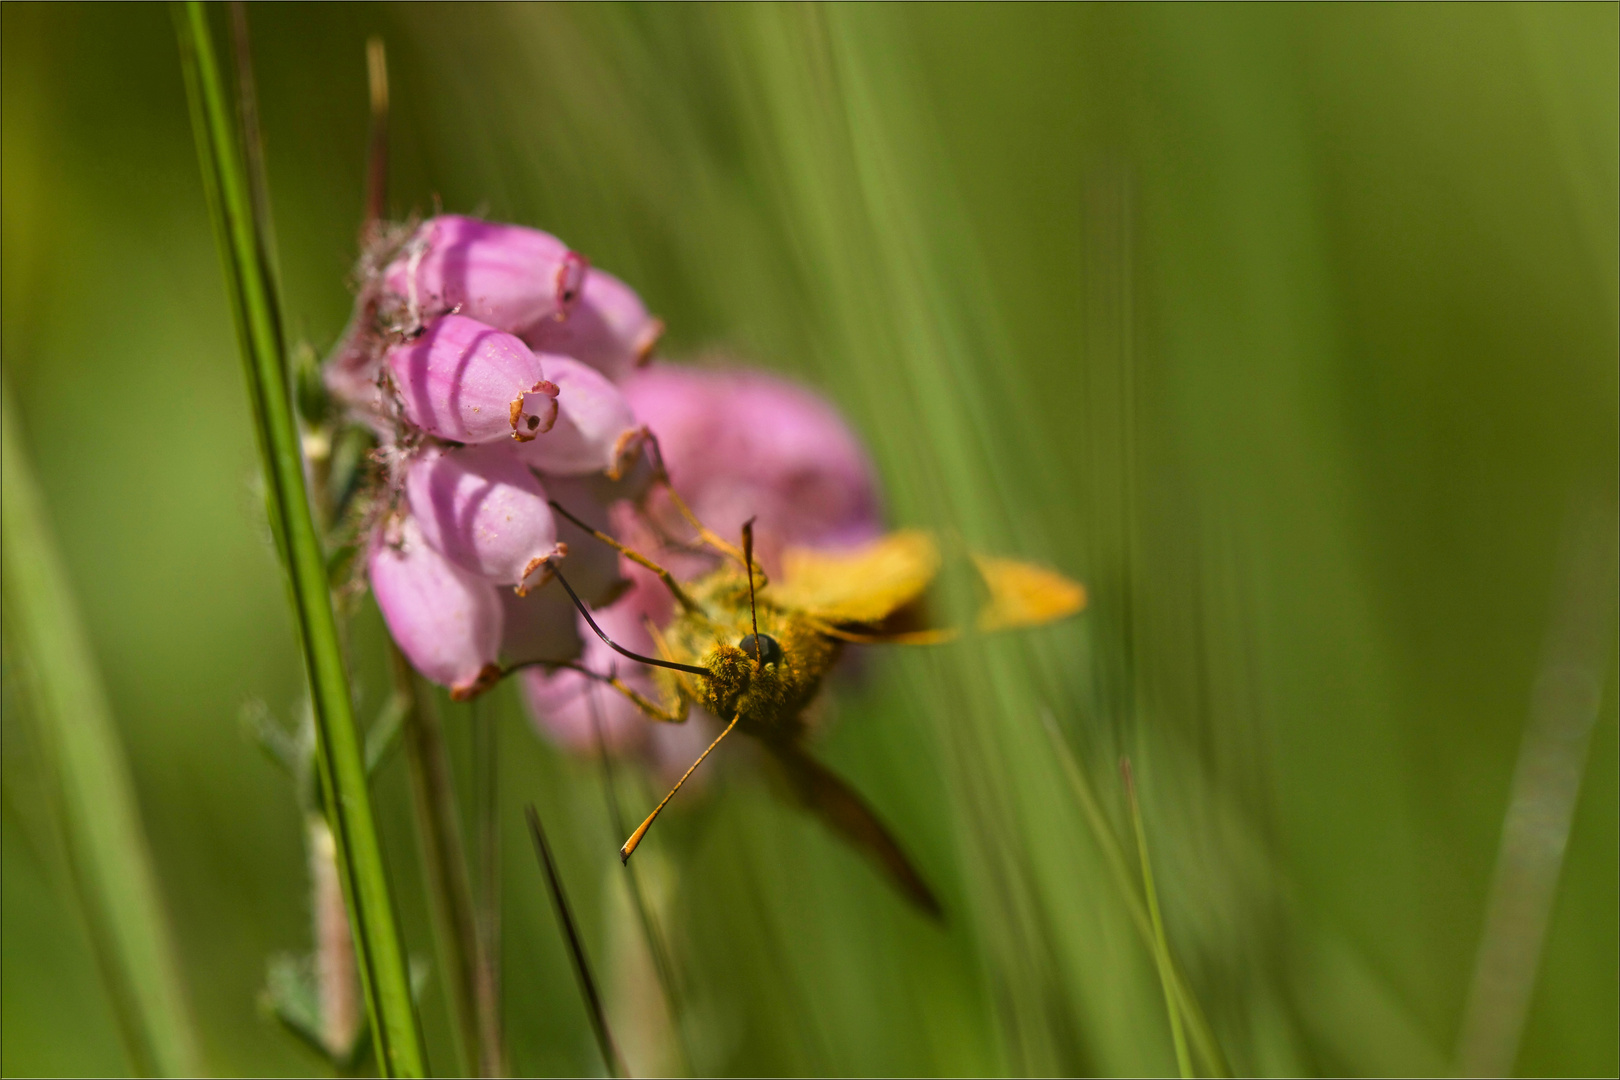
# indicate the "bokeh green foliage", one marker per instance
pixel 1291 331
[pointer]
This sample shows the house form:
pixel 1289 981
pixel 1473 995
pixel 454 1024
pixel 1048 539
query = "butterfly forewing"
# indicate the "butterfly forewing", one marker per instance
pixel 861 586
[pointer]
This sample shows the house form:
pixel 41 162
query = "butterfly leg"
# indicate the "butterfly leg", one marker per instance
pixel 705 534
pixel 666 714
pixel 636 557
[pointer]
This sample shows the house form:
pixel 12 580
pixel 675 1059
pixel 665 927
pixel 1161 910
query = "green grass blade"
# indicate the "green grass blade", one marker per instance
pixel 1161 947
pixel 1203 1036
pixel 576 948
pixel 96 806
pixel 487 912
pixel 657 946
pixel 378 945
pixel 444 862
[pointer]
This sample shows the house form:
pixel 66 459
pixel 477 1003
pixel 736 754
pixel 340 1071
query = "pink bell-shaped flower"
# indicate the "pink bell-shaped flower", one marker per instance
pixel 484 511
pixel 467 382
pixel 609 329
pixel 595 430
pixel 446 620
pixel 507 276
pixel 742 444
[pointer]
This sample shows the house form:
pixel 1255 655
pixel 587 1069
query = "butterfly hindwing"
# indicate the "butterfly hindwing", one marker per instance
pixel 1023 594
pixel 836 803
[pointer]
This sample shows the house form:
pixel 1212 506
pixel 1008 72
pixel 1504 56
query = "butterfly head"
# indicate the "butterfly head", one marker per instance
pixel 766 676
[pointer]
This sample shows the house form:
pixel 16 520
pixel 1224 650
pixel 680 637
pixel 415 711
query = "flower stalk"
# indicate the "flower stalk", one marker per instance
pixel 444 861
pixel 245 258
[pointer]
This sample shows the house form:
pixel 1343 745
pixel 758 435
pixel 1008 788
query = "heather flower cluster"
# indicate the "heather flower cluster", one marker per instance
pixel 500 373
pixel 738 445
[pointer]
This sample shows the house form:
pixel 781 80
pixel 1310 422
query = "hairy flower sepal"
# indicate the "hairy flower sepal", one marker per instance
pixel 505 276
pixel 479 507
pixel 466 382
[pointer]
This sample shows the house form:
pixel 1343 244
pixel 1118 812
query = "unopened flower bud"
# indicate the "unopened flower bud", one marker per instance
pixel 467 382
pixel 505 275
pixel 595 430
pixel 445 620
pixel 609 329
pixel 484 511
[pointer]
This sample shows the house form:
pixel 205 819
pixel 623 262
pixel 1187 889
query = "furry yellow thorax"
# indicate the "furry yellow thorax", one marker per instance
pixel 768 698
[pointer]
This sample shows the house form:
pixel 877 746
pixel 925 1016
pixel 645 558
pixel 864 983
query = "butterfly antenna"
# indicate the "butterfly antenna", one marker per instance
pixel 634 556
pixel 621 650
pixel 635 837
pixel 753 613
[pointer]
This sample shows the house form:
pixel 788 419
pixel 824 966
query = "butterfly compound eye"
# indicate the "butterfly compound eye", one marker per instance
pixel 763 647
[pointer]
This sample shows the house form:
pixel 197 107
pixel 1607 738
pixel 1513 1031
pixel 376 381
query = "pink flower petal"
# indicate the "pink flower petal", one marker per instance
pixel 484 511
pixel 610 328
pixel 595 429
pixel 445 620
pixel 504 275
pixel 465 382
pixel 741 444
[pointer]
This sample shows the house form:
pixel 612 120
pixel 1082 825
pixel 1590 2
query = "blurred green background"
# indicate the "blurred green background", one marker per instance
pixel 1292 331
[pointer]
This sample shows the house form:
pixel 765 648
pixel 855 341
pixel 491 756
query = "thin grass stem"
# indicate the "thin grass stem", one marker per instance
pixel 250 284
pixel 247 108
pixel 444 861
pixel 1161 947
pixel 663 965
pixel 576 948
pixel 1198 1028
pixel 487 969
pixel 1565 705
pixel 91 788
